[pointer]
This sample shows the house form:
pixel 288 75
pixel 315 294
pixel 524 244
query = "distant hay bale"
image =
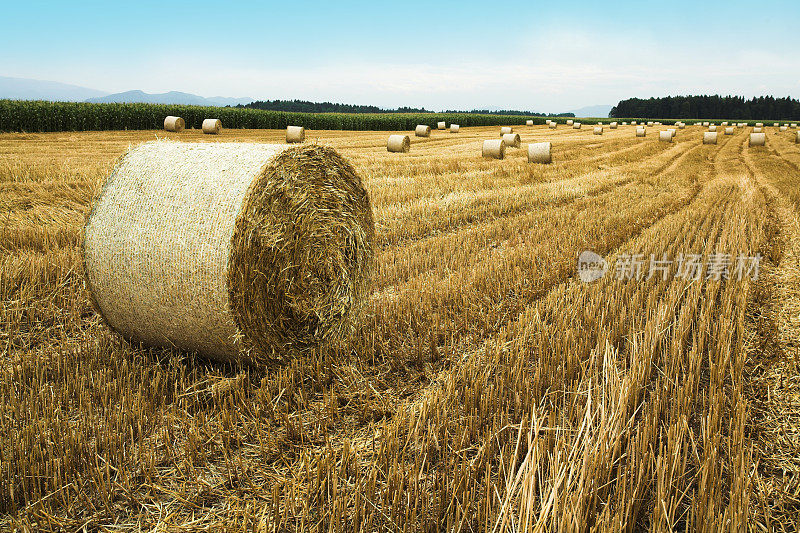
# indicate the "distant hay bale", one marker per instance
pixel 494 148
pixel 757 130
pixel 758 139
pixel 794 125
pixel 530 122
pixel 398 143
pixel 505 130
pixel 598 130
pixel 710 137
pixel 681 125
pixel 775 124
pixel 633 122
pixel 599 123
pixel 723 123
pixel 175 124
pixel 783 128
pixel 624 123
pixel 441 125
pixel 240 252
pixel 512 139
pixel 665 136
pixel 454 128
pixel 759 124
pixel 657 123
pixel 641 131
pixel 295 134
pixel 729 131
pixel 576 126
pixel 706 124
pixel 422 131
pixel 539 153
pixel 570 122
pixel 649 122
pixel 712 127
pixel 613 125
pixel 553 125
pixel 212 126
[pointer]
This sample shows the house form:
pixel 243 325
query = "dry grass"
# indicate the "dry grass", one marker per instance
pixel 488 389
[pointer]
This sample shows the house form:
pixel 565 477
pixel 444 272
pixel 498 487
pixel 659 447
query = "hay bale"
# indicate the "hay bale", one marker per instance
pixel 681 125
pixel 539 153
pixel 624 123
pixel 530 122
pixel 729 131
pixel 398 143
pixel 494 148
pixel 454 128
pixel 797 138
pixel 641 131
pixel 649 122
pixel 441 125
pixel 570 122
pixel 665 136
pixel 759 124
pixel 758 139
pixel 794 125
pixel 757 130
pixel 212 126
pixel 599 123
pixel 710 137
pixel 175 124
pixel 775 124
pixel 598 130
pixel 613 125
pixel 576 126
pixel 672 132
pixel 783 128
pixel 295 134
pixel 712 127
pixel 723 124
pixel 512 139
pixel 553 125
pixel 706 124
pixel 633 123
pixel 422 130
pixel 505 130
pixel 240 252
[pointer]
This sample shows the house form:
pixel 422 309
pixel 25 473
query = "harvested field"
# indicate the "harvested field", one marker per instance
pixel 487 387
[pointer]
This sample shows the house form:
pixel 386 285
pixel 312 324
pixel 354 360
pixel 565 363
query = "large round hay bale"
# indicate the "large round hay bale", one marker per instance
pixel 672 132
pixel 441 125
pixel 624 123
pixel 422 130
pixel 530 122
pixel 539 153
pixel 758 139
pixel 240 252
pixel 681 125
pixel 175 124
pixel 512 140
pixel 783 128
pixel 641 131
pixel 797 138
pixel 494 148
pixel 759 124
pixel 665 136
pixel 505 130
pixel 576 126
pixel 613 125
pixel 212 126
pixel 723 123
pixel 712 127
pixel 706 124
pixel 598 130
pixel 570 122
pixel 710 137
pixel 729 131
pixel 793 125
pixel 553 125
pixel 454 128
pixel 295 134
pixel 398 143
pixel 775 124
pixel 633 122
pixel 649 122
pixel 757 130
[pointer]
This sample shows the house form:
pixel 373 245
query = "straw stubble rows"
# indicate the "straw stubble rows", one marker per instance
pixel 487 387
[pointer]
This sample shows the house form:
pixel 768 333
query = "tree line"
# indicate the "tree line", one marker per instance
pixel 709 107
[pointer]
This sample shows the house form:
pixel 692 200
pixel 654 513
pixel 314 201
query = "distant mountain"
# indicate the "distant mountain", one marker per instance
pixel 599 111
pixel 27 89
pixel 172 97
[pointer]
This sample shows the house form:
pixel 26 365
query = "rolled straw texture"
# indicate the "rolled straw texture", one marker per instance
pixel 758 139
pixel 494 148
pixel 212 126
pixel 398 143
pixel 512 139
pixel 175 124
pixel 665 136
pixel 539 153
pixel 295 134
pixel 710 137
pixel 505 130
pixel 240 252
pixel 422 131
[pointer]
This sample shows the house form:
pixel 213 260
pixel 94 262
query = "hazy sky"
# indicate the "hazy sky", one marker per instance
pixel 544 56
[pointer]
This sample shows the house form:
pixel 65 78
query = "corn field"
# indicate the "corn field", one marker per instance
pixel 488 388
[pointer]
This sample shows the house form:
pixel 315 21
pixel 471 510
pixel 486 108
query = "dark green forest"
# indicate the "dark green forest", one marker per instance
pixel 709 107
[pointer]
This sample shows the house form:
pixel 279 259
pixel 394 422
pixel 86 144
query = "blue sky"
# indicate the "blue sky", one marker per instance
pixel 545 56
